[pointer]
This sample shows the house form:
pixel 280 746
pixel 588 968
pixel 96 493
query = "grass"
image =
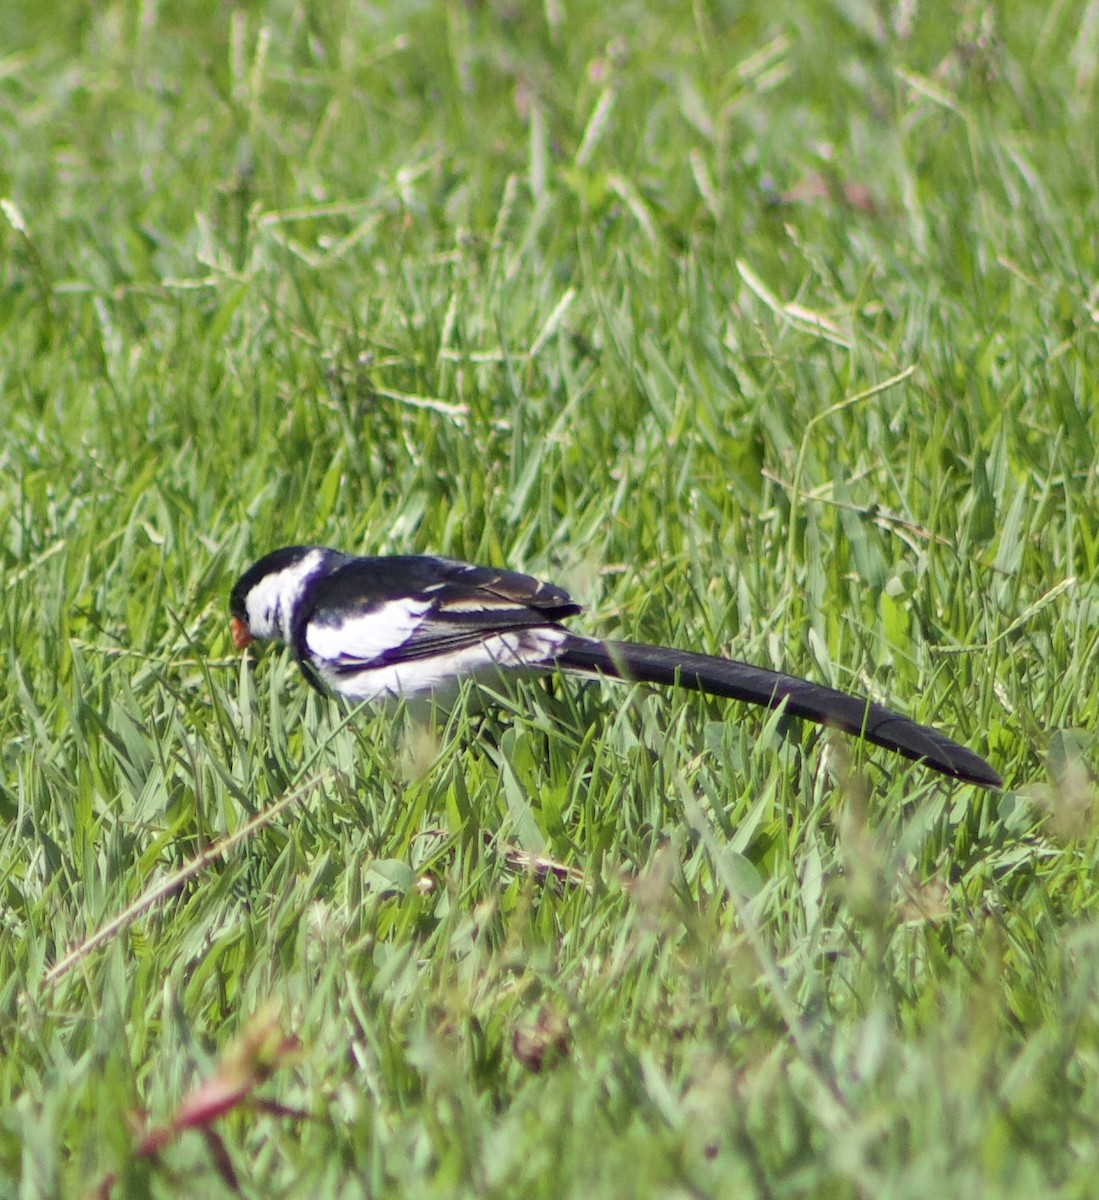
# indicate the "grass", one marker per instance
pixel 765 328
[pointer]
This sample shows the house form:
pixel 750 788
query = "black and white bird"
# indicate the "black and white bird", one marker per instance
pixel 409 626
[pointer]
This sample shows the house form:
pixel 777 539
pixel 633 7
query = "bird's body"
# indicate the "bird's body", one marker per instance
pixel 407 626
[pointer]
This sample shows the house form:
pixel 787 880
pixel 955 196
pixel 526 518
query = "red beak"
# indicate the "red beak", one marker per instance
pixel 240 632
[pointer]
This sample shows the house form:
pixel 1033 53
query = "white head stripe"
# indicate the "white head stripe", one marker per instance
pixel 270 604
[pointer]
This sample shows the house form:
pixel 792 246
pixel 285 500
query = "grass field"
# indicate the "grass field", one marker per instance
pixel 769 329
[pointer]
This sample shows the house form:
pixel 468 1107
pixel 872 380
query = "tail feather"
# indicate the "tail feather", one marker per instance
pixel 771 689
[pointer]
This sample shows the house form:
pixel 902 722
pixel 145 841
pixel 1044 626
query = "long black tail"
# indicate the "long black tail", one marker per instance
pixel 810 701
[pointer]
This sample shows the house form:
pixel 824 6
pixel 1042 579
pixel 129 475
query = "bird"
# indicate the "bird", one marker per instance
pixel 408 626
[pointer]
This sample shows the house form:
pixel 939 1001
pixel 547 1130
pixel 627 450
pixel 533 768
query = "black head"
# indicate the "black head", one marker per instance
pixel 265 598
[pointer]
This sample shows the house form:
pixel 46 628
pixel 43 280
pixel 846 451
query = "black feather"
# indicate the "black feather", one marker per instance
pixel 799 698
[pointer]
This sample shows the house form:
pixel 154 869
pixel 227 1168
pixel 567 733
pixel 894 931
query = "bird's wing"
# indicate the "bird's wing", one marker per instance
pixel 379 612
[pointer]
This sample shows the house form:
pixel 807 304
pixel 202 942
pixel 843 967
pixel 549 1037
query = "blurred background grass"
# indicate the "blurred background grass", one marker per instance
pixel 766 329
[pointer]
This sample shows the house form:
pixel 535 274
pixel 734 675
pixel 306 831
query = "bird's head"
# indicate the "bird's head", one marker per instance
pixel 265 599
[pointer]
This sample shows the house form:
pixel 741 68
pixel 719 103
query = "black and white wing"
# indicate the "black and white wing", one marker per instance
pixel 412 625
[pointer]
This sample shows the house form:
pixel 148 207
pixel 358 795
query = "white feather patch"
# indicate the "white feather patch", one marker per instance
pixel 271 603
pixel 366 635
pixel 516 649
